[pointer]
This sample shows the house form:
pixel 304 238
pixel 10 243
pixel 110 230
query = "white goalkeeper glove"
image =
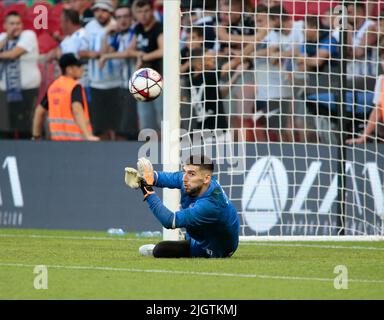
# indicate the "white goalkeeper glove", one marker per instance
pixel 145 168
pixel 132 178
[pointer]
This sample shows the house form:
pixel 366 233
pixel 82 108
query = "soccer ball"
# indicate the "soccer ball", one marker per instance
pixel 145 84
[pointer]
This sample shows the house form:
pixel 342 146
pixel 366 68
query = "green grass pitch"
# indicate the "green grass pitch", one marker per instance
pixel 91 265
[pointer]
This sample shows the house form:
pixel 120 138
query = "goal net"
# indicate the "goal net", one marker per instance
pixel 285 96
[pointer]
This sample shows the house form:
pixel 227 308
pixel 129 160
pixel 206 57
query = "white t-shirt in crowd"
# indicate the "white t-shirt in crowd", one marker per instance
pixel 272 80
pixel 72 43
pixel 30 73
pixel 108 77
pixel 367 64
pixel 290 41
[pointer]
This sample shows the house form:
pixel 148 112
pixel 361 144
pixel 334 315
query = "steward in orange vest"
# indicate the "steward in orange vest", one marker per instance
pixel 66 104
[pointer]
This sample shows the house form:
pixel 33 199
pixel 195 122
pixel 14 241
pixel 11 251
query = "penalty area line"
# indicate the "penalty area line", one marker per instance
pixel 195 273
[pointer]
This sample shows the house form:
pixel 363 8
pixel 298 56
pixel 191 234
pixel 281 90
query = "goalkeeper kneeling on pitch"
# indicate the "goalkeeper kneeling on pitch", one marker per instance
pixel 210 219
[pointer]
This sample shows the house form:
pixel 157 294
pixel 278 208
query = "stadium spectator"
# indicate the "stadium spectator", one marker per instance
pixel 105 107
pixel 210 219
pixel 205 19
pixel 118 40
pixel 285 42
pixel 362 67
pixel 376 117
pixel 73 32
pixel 20 77
pixel 158 10
pixel 147 47
pixel 381 31
pixel 241 100
pixel 74 35
pixel 206 108
pixel 274 93
pixel 235 27
pixel 66 105
pixel 83 8
pixel 319 59
pixel 194 41
pixel 268 83
pixel 330 21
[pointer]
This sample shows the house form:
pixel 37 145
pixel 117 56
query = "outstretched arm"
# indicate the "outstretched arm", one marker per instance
pixel 171 180
pixel 201 213
pixel 374 117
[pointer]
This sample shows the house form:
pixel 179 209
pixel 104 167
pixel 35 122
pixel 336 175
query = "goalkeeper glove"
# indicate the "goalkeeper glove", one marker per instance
pixel 132 178
pixel 145 168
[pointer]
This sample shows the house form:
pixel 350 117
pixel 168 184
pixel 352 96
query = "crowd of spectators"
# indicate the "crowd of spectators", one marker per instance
pixel 269 69
pixel 299 73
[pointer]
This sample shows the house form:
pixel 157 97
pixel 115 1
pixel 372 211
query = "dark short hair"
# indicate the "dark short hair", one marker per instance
pixel 142 3
pixel 12 14
pixel 68 60
pixel 123 6
pixel 201 161
pixel 72 16
pixel 260 8
pixel 278 12
pixel 313 21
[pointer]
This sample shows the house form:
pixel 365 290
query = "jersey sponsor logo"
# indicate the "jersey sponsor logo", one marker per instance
pixel 142 42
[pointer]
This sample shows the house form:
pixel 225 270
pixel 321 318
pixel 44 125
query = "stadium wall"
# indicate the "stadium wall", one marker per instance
pixel 74 186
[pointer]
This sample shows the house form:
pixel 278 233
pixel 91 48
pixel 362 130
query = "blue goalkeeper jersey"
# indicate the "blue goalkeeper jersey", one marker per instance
pixel 210 219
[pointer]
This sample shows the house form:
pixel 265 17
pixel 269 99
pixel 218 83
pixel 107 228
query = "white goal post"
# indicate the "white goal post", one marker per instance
pixel 171 106
pixel 274 97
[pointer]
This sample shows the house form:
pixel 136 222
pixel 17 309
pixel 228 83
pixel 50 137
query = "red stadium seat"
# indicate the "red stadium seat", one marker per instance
pixel 1 16
pixel 46 42
pixel 56 10
pixel 300 8
pixel 54 18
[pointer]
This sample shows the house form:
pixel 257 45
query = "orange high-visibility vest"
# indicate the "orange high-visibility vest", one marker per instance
pixel 61 121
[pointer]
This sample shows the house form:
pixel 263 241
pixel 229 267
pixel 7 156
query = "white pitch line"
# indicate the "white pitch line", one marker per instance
pixel 196 273
pixel 309 246
pixel 39 236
